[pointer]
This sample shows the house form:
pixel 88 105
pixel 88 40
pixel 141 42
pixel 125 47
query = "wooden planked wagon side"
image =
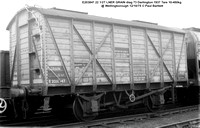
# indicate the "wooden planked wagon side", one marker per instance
pixel 61 51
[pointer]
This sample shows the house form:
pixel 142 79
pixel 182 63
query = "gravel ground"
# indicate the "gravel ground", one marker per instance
pixel 155 122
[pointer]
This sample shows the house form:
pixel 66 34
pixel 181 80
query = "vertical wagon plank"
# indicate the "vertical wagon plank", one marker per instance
pixel 113 59
pixel 131 58
pixel 161 59
pixel 174 67
pixel 147 60
pixel 94 57
pixel 72 58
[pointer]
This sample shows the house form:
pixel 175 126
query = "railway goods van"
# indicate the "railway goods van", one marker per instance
pixel 193 54
pixel 192 39
pixel 67 59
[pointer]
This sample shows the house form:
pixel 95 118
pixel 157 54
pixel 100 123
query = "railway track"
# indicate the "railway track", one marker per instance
pixel 53 121
pixel 128 119
pixel 193 123
pixel 37 119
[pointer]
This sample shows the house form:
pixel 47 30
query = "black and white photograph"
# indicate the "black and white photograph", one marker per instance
pixel 100 63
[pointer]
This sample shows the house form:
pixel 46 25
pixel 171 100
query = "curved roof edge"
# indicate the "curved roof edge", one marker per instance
pixel 192 29
pixel 18 12
pixel 85 16
pixel 12 20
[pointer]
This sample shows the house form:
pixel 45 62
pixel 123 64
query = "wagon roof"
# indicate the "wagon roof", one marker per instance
pixel 85 16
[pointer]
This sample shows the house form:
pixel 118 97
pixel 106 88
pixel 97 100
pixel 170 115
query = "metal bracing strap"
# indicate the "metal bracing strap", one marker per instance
pixel 166 47
pixel 82 40
pixel 117 100
pixel 84 70
pixel 54 73
pixel 58 51
pixel 104 71
pixel 16 51
pixel 88 49
pixel 130 40
pixel 153 92
pixel 157 53
pixel 18 56
pixel 13 65
pixel 95 97
pixel 103 41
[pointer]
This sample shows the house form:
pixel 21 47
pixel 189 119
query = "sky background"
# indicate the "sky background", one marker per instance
pixel 182 15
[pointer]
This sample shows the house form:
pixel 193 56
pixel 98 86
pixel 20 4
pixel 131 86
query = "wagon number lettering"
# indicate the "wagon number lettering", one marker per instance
pixel 57 81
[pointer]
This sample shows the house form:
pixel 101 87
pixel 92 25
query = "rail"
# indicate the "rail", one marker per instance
pixel 54 122
pixel 193 123
pixel 128 119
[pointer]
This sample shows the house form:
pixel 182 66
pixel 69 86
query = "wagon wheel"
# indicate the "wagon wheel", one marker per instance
pixel 3 105
pixel 149 104
pixel 79 113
